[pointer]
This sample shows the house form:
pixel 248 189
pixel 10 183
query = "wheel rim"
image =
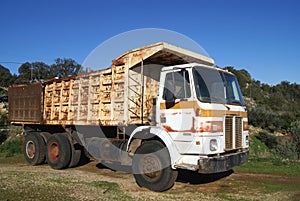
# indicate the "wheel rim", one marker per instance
pixel 30 149
pixel 53 151
pixel 151 167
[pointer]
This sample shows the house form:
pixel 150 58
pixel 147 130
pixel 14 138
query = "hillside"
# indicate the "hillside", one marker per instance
pixel 275 112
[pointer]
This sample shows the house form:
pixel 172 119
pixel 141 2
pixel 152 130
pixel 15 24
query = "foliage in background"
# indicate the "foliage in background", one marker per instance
pixel 265 155
pixel 37 71
pixel 6 78
pixel 295 129
pixel 276 109
pixel 10 140
pixel 64 68
pixel 280 146
pixel 258 149
pixel 3 119
pixel 10 148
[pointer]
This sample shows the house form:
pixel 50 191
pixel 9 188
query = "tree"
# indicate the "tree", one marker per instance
pixel 33 72
pixel 64 68
pixel 295 130
pixel 6 78
pixel 24 73
pixel 39 71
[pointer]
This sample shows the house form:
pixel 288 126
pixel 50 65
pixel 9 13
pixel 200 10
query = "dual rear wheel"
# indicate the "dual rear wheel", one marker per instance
pixel 54 149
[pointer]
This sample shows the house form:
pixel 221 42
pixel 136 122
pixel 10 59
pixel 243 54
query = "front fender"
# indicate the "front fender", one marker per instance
pixel 161 134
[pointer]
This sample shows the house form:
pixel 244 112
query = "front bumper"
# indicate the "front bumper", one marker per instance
pixel 222 163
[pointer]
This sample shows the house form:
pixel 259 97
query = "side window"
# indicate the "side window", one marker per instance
pixel 168 87
pixel 179 84
pixel 234 92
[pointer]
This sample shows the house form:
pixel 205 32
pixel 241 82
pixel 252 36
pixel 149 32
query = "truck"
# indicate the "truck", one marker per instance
pixel 158 109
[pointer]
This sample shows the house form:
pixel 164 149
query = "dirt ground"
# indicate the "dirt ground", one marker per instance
pixel 93 181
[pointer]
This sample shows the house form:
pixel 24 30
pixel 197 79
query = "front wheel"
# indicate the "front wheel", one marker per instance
pixel 152 167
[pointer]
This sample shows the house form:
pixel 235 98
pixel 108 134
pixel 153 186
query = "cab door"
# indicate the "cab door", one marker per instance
pixel 176 106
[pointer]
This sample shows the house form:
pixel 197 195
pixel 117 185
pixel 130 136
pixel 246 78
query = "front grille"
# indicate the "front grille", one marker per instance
pixel 228 133
pixel 233 132
pixel 238 132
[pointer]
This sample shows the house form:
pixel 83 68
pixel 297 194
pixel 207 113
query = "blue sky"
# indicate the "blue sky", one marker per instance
pixel 261 36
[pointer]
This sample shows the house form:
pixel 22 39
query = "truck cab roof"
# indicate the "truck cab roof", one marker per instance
pixel 191 65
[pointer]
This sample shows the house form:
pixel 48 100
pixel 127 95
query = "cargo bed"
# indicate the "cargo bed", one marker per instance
pixel 120 95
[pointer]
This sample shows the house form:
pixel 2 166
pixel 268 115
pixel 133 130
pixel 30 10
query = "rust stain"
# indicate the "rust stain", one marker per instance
pixel 203 113
pixel 25 103
pixel 206 126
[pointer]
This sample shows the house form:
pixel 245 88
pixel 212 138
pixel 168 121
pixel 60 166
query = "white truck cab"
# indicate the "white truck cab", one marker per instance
pixel 202 109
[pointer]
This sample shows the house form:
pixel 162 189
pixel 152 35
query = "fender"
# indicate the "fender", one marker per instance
pixel 161 134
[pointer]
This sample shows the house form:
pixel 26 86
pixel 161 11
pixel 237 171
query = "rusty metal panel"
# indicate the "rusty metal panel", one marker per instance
pixel 78 100
pixel 108 97
pixel 25 103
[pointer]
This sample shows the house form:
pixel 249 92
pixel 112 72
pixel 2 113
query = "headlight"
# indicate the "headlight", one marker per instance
pixel 213 145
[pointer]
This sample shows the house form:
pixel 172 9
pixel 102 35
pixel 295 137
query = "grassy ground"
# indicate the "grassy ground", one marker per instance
pixel 255 180
pixel 21 183
pixel 271 166
pixel 262 178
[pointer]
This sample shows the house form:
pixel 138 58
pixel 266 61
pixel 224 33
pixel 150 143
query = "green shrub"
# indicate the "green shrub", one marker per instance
pixel 10 148
pixel 258 148
pixel 3 119
pixel 286 147
pixel 3 135
pixel 270 140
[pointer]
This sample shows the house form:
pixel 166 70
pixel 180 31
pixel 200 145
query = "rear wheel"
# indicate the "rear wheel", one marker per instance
pixel 58 151
pixel 45 136
pixel 152 167
pixel 76 155
pixel 34 149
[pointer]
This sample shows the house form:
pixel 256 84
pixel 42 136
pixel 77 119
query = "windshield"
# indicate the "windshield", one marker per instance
pixel 215 86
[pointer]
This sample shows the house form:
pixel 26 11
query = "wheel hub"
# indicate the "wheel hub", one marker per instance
pixel 53 151
pixel 30 149
pixel 152 167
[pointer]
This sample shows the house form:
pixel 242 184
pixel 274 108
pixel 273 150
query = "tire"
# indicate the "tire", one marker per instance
pixel 58 151
pixel 45 136
pixel 34 149
pixel 152 167
pixel 76 155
